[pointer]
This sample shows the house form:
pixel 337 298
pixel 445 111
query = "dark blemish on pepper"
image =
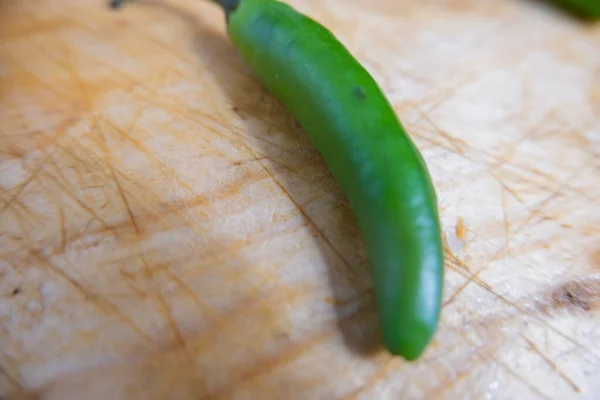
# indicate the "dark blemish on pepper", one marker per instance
pixel 358 92
pixel 290 45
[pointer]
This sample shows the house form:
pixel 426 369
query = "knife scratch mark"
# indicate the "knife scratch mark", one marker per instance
pixel 15 382
pixel 524 311
pixel 519 377
pixel 458 291
pixel 506 222
pixel 130 283
pixel 98 301
pixel 450 147
pixel 24 212
pixel 312 223
pixel 471 278
pixel 168 47
pixel 457 144
pixel 210 312
pixel 128 135
pixel 63 230
pixel 548 183
pixel 264 366
pixel 35 26
pixel 125 202
pixel 253 298
pixel 179 338
pixel 495 160
pixel 49 87
pixel 18 209
pixel 95 167
pixel 552 364
pixel 79 202
pixel 300 209
pixel 149 272
pixel 536 212
pixel 271 160
pixel 239 245
pixel 33 174
pixel 490 171
pixel 506 248
pixel 510 150
pixel 380 373
pixel 447 384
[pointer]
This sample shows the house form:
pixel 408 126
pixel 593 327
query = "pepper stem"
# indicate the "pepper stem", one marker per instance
pixel 117 3
pixel 227 5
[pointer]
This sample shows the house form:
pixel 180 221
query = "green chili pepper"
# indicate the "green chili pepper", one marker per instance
pixel 585 8
pixel 356 130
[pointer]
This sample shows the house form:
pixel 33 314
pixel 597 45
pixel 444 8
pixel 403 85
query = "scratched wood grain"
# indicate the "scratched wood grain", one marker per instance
pixel 168 231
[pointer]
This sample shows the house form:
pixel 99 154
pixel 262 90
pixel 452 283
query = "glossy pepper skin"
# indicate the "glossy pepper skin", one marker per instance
pixel 357 132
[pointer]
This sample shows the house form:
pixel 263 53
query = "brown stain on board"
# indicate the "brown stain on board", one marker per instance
pixel 574 296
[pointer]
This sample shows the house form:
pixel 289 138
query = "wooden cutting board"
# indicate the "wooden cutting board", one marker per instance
pixel 169 232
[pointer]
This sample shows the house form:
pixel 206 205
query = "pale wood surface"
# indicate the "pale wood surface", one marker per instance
pixel 168 232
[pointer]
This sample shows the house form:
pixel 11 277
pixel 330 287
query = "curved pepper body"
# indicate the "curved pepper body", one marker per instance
pixel 357 132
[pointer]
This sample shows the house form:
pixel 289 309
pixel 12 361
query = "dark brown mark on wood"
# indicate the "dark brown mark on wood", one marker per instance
pixel 16 291
pixel 239 112
pixel 581 295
